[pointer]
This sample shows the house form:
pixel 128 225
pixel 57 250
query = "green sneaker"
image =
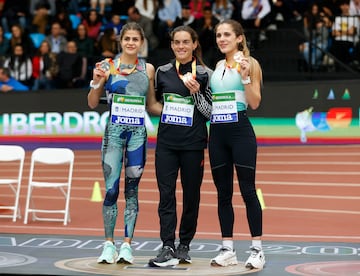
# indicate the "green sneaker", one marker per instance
pixel 125 254
pixel 109 254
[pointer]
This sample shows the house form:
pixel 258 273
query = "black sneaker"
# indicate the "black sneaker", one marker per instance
pixel 182 253
pixel 166 257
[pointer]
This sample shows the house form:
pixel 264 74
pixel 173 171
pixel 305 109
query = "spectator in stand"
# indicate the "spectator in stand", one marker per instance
pixel 62 17
pixel 167 13
pixel 197 7
pixel 8 83
pixel 101 3
pixel 316 32
pixel 45 68
pixel 14 12
pixel 93 24
pixel 206 31
pixel 186 18
pixel 256 17
pixel 72 68
pixel 115 23
pixel 94 4
pixel 310 19
pixel 330 8
pixel 147 8
pixel 345 32
pixel 20 66
pixel 56 40
pixel 147 25
pixel 84 44
pixel 20 36
pixel 42 12
pixel 354 8
pixel 222 9
pixel 107 46
pixel 4 46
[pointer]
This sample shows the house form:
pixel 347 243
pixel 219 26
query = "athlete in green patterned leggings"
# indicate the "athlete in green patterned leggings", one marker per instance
pixel 129 85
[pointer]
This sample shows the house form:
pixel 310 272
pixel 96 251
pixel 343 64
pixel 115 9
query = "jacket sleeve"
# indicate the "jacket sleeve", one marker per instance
pixel 203 99
pixel 203 102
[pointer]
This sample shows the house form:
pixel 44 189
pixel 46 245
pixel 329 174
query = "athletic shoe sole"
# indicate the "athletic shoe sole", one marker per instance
pixel 227 262
pixel 171 262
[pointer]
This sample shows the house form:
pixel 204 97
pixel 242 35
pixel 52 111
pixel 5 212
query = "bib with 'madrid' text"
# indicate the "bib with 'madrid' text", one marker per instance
pixel 128 110
pixel 224 108
pixel 178 110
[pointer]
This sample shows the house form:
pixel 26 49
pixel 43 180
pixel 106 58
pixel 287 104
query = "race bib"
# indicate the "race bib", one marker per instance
pixel 128 110
pixel 224 108
pixel 178 110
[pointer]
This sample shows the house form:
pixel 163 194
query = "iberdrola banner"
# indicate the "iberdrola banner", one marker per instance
pixel 290 113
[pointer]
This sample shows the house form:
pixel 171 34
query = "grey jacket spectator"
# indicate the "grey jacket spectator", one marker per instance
pixel 56 40
pixel 146 24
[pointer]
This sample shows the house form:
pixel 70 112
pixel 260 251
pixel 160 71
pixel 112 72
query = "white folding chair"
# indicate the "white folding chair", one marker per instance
pixel 11 168
pixel 59 163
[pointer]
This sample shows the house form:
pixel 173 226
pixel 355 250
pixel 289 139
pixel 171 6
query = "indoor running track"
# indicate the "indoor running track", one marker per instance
pixel 311 219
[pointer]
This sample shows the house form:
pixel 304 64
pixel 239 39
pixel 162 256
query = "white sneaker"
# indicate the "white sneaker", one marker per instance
pixel 125 254
pixel 256 259
pixel 226 257
pixel 109 254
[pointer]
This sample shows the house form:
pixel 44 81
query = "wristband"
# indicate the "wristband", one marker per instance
pixel 94 86
pixel 246 81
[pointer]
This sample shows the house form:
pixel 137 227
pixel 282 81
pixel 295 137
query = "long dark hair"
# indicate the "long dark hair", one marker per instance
pixel 21 59
pixel 195 38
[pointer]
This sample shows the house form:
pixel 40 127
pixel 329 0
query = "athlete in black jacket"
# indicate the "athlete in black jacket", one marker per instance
pixel 183 86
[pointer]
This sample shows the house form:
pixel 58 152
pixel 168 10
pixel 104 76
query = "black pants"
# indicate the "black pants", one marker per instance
pixel 234 144
pixel 191 165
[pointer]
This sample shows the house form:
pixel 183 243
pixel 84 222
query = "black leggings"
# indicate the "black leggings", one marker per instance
pixel 235 144
pixel 191 165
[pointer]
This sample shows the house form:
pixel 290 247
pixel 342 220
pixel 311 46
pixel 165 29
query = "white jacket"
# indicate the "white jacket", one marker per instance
pixel 248 12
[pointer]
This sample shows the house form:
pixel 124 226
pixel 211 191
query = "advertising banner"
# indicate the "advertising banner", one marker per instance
pixel 290 113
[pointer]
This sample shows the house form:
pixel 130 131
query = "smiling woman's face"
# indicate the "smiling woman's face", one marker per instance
pixel 131 41
pixel 226 39
pixel 183 46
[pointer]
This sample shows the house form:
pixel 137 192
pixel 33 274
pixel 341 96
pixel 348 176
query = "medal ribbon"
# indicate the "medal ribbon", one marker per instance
pixel 115 71
pixel 193 69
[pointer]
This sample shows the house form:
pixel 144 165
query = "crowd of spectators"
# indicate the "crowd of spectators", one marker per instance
pixel 333 28
pixel 50 44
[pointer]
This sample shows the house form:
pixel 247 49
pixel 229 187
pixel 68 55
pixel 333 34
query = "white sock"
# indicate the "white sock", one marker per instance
pixel 257 243
pixel 228 244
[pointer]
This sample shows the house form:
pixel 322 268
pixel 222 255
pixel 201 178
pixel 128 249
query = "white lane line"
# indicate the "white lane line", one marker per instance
pixel 120 231
pixel 309 172
pixel 337 163
pixel 307 183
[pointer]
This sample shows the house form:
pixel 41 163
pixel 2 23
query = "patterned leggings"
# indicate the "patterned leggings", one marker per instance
pixel 122 144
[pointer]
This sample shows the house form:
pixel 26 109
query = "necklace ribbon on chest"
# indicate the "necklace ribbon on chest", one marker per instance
pixel 193 69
